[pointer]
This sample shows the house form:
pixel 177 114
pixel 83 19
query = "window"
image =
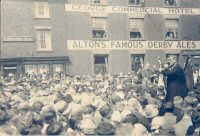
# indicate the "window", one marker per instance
pixel 99 27
pixel 135 2
pixel 9 70
pixel 41 9
pixel 31 69
pixel 102 2
pixel 58 68
pixel 37 69
pixel 43 68
pixel 44 40
pixel 136 28
pixel 137 62
pixel 171 3
pixel 101 64
pixel 171 29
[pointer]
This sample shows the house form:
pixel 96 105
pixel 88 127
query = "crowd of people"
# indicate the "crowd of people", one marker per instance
pixel 118 104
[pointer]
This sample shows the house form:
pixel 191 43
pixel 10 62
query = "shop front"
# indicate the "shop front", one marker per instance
pixel 39 65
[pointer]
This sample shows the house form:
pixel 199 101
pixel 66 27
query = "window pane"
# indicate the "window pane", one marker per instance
pixel 171 27
pixel 99 27
pixel 96 1
pixel 99 1
pixel 42 9
pixel 170 2
pixel 134 2
pixel 100 64
pixel 58 68
pixel 31 69
pixel 44 68
pixel 44 39
pixel 136 28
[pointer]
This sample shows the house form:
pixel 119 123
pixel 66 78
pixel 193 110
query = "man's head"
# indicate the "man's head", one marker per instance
pixel 172 59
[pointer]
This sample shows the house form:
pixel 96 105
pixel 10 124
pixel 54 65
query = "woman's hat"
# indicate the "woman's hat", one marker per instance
pixel 88 126
pixel 124 129
pixel 151 111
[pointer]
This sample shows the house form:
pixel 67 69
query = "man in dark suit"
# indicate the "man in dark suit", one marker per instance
pixel 176 84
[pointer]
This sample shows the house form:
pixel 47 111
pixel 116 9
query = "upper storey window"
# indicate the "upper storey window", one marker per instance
pixel 41 9
pixel 137 28
pixel 100 2
pixel 99 27
pixel 135 2
pixel 171 3
pixel 171 29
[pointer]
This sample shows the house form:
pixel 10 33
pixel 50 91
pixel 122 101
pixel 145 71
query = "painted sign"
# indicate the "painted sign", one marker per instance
pixel 131 9
pixel 132 45
pixel 191 52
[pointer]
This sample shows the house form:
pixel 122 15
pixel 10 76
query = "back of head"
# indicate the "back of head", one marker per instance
pixel 49 116
pixel 153 93
pixel 169 107
pixel 37 119
pixel 3 117
pixel 54 128
pixel 37 106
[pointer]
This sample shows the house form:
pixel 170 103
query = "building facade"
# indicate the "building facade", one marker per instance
pixel 96 36
pixel 33 37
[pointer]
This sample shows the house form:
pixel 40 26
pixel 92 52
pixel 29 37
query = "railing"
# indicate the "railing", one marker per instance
pixel 100 68
pixel 17 38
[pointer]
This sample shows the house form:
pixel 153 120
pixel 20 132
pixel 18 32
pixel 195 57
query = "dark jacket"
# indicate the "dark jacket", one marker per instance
pixel 176 83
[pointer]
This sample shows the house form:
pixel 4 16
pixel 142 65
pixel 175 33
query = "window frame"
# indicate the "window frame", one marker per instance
pixel 105 65
pixel 59 64
pixel 139 5
pixel 178 4
pixel 48 40
pixel 38 6
pixel 45 64
pixel 103 28
pixel 178 29
pixel 137 39
pixel 102 4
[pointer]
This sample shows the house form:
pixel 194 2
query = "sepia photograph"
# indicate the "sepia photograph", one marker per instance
pixel 100 67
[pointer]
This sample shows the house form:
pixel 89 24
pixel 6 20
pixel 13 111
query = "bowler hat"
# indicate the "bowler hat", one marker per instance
pixel 35 130
pixel 3 117
pixel 37 106
pixel 105 111
pixel 68 98
pixel 105 128
pixel 143 101
pixel 130 118
pixel 74 121
pixel 115 98
pixel 54 129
